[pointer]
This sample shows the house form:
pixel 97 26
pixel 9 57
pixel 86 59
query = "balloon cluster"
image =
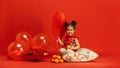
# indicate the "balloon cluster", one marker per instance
pixel 27 48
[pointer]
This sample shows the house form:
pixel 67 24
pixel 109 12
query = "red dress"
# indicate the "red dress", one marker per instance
pixel 79 55
pixel 70 40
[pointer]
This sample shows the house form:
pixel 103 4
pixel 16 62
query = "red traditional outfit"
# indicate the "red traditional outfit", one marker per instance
pixel 70 40
pixel 79 55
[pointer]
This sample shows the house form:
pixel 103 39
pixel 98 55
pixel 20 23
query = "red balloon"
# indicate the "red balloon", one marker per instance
pixel 16 49
pixel 39 42
pixel 24 36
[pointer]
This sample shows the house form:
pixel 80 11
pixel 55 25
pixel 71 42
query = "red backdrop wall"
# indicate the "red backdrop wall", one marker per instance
pixel 98 21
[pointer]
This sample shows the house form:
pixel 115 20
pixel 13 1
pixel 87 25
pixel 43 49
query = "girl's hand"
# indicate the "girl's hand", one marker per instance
pixel 70 47
pixel 58 38
pixel 74 48
pixel 60 41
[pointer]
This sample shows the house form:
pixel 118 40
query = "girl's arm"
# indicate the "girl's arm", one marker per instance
pixel 60 41
pixel 77 44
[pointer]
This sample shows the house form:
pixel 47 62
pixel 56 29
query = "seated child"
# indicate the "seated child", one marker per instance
pixel 71 51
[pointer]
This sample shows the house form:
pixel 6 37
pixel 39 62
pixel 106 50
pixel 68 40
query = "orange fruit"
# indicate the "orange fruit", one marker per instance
pixel 61 60
pixel 53 60
pixel 56 61
pixel 68 46
pixel 54 56
pixel 58 57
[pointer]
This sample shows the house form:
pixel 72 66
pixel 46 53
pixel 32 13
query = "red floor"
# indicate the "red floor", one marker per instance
pixel 106 61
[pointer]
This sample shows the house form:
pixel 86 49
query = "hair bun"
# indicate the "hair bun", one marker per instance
pixel 73 22
pixel 66 24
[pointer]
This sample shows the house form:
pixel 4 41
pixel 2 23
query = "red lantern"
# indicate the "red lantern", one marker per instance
pixel 24 36
pixel 17 49
pixel 39 42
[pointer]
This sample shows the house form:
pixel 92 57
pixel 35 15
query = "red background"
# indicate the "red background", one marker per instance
pixel 98 26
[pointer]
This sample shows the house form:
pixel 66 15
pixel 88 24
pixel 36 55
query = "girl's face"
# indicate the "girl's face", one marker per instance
pixel 70 30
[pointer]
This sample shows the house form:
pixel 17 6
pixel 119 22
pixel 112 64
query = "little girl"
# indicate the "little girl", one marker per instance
pixel 71 51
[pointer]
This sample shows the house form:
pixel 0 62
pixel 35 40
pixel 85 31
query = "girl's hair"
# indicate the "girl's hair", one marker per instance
pixel 73 24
